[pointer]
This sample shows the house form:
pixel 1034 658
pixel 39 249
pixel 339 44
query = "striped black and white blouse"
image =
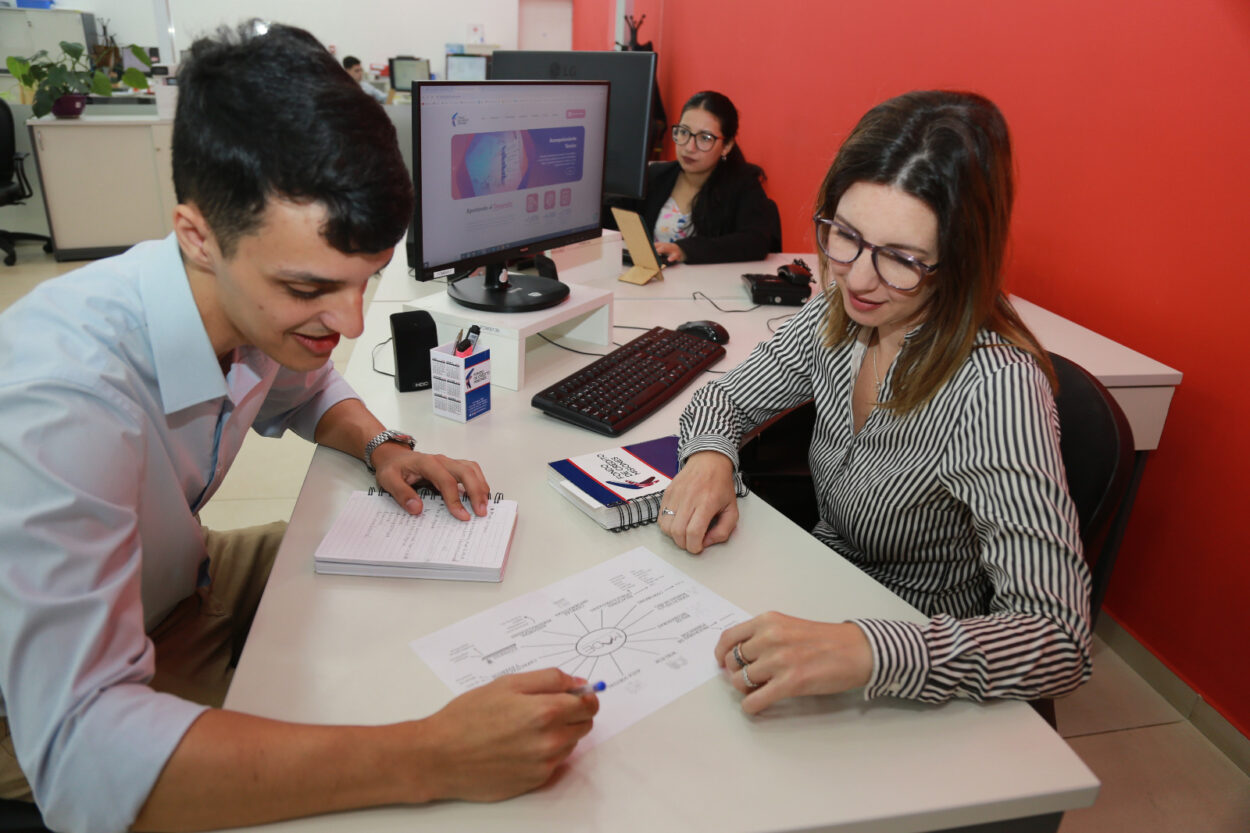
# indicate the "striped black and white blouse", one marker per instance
pixel 960 507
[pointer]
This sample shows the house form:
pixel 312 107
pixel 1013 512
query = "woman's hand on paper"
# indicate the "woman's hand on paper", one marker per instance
pixel 789 657
pixel 506 737
pixel 702 502
pixel 400 469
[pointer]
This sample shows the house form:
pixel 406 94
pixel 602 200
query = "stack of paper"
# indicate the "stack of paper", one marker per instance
pixel 375 536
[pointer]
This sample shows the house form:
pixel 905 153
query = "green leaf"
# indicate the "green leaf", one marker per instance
pixel 142 54
pixel 73 50
pixel 58 79
pixel 135 79
pixel 17 67
pixel 100 84
pixel 42 105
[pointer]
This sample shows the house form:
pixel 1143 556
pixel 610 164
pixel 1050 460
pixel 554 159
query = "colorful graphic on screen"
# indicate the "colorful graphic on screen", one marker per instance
pixel 512 160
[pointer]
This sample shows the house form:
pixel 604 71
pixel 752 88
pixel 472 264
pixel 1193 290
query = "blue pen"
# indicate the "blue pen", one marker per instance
pixel 589 688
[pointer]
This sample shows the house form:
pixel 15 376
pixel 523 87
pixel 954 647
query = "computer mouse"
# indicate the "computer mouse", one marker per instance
pixel 709 330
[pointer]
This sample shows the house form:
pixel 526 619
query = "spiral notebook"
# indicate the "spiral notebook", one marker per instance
pixel 621 487
pixel 375 536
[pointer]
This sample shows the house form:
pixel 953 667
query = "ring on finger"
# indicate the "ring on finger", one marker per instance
pixel 667 512
pixel 738 658
pixel 746 678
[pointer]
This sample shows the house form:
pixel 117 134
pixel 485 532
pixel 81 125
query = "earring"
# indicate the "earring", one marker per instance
pixel 724 156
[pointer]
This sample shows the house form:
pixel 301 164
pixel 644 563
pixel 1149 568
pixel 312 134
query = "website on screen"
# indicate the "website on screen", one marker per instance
pixel 503 165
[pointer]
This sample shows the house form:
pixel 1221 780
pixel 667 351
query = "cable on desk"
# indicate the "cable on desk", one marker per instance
pixel 375 357
pixel 543 336
pixel 699 293
pixel 782 318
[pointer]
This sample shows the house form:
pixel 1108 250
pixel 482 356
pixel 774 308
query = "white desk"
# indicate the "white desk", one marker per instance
pixel 335 649
pixel 1141 385
pixel 598 263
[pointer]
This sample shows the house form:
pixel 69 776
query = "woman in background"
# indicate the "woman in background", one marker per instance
pixel 709 206
pixel 935 453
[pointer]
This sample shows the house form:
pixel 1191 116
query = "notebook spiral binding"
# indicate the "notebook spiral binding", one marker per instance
pixel 425 492
pixel 631 514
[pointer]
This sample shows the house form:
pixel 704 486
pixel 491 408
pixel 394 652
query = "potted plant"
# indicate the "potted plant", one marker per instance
pixel 61 84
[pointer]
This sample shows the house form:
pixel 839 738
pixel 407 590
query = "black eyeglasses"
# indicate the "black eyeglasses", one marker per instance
pixel 844 245
pixel 702 140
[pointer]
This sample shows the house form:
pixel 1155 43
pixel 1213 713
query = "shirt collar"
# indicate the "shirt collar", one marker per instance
pixel 187 371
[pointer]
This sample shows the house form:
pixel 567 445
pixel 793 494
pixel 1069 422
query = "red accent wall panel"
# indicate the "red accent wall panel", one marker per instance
pixel 593 24
pixel 1131 122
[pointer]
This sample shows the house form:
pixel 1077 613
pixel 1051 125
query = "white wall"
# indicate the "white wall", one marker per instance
pixel 546 24
pixel 372 30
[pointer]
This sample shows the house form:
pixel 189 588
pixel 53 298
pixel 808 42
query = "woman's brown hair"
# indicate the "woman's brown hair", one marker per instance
pixel 952 151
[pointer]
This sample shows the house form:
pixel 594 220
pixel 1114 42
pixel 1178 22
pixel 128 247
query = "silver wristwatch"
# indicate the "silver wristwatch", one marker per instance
pixel 387 436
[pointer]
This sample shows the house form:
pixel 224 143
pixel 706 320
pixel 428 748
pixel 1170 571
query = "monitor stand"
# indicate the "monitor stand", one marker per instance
pixel 498 290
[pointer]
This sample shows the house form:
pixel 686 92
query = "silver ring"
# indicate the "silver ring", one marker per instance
pixel 742 663
pixel 747 679
pixel 667 512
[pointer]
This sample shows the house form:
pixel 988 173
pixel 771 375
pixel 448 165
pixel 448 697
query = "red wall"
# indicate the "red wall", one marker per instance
pixel 593 24
pixel 1131 121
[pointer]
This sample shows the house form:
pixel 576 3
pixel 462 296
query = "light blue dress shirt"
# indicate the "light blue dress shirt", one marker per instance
pixel 116 427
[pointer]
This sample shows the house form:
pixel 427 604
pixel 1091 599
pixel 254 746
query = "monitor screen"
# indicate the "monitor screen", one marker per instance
pixel 467 67
pixel 504 170
pixel 632 75
pixel 404 71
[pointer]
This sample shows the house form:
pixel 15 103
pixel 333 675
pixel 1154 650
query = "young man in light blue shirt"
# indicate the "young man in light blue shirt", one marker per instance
pixel 126 388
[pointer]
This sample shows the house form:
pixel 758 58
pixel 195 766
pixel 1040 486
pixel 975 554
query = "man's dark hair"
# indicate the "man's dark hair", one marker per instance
pixel 273 115
pixel 350 61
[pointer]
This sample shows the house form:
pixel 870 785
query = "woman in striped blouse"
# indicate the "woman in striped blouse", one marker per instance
pixel 935 453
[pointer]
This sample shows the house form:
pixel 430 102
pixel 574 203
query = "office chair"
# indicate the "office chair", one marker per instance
pixel 1095 441
pixel 20 817
pixel 14 186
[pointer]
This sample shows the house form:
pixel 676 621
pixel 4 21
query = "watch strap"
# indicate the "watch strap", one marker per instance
pixel 387 436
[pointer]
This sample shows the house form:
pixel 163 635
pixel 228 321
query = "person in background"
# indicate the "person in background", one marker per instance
pixel 357 71
pixel 709 206
pixel 935 453
pixel 127 388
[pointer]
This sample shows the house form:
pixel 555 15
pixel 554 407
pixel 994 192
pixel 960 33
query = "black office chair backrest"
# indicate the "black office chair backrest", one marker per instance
pixel 20 817
pixel 8 144
pixel 1096 442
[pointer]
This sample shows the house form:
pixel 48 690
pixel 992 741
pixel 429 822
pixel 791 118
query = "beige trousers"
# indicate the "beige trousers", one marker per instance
pixel 199 642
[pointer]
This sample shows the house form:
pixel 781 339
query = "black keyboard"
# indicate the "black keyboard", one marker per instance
pixel 624 387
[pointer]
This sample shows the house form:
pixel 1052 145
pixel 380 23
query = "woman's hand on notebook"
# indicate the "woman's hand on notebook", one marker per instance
pixel 699 507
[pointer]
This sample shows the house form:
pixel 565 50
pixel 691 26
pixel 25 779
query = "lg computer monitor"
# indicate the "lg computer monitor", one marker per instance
pixel 632 75
pixel 504 171
pixel 404 71
pixel 467 67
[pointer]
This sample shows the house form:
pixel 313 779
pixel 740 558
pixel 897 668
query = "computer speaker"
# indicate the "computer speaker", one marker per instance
pixel 413 335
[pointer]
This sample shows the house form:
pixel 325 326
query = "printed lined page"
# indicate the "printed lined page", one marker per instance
pixel 374 529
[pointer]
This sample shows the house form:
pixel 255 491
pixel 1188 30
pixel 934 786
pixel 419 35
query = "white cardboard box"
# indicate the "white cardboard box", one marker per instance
pixel 460 384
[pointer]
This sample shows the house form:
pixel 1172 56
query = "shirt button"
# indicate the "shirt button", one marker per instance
pixel 893 688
